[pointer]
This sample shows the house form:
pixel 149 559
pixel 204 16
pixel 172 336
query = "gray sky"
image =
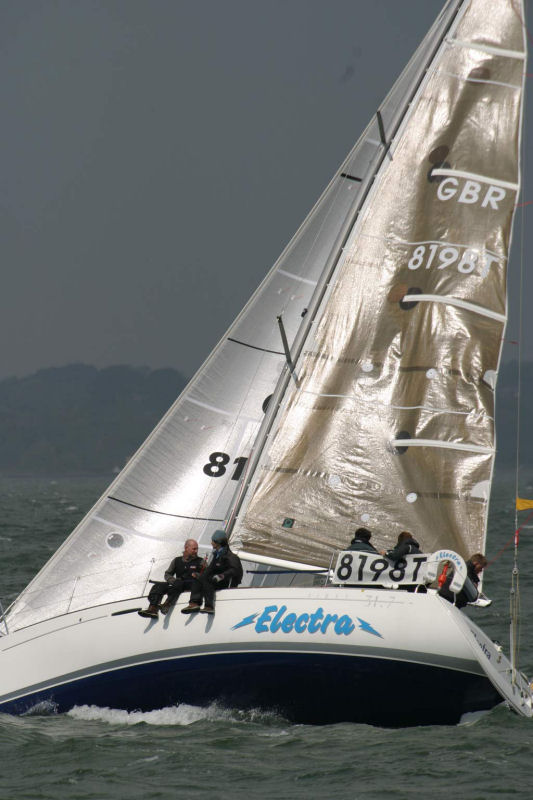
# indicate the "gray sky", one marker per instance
pixel 157 156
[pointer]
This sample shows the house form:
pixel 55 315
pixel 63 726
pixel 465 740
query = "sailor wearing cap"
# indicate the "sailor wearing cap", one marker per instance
pixel 223 571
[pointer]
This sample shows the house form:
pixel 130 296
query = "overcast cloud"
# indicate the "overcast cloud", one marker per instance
pixel 157 156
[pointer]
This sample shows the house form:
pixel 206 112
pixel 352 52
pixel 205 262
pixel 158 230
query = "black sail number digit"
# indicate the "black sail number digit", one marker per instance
pixel 345 569
pixel 362 562
pixel 378 567
pixel 397 574
pixel 216 466
pixel 241 463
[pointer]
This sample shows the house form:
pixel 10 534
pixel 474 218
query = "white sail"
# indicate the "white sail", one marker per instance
pixel 392 424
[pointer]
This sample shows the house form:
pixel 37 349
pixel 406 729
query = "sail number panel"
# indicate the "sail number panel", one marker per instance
pixel 360 567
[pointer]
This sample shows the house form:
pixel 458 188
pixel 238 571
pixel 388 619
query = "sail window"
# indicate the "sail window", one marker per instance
pixel 407 305
pixel 400 450
pixel 437 159
pixel 432 178
pixel 114 540
pixel 438 154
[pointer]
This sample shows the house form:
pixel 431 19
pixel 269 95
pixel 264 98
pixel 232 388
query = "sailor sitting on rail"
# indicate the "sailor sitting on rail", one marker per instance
pixel 223 571
pixel 179 577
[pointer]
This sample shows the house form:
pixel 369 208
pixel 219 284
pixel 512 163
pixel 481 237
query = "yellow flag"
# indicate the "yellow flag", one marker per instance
pixel 522 504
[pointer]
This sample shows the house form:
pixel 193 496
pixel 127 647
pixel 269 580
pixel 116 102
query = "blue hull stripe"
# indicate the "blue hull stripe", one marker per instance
pixel 303 687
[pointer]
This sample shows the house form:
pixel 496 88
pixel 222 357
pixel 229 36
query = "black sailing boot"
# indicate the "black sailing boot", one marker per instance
pixel 151 612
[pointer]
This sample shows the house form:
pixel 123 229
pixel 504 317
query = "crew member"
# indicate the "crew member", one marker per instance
pixel 223 571
pixel 179 577
pixel 468 593
pixel 361 541
pixel 405 546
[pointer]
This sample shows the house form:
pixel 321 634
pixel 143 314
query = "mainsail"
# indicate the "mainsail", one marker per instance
pixel 324 472
pixel 392 424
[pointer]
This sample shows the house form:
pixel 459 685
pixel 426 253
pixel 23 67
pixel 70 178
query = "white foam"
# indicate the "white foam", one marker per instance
pixel 471 717
pixel 182 714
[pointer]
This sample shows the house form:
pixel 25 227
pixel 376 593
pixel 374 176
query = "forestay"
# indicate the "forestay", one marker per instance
pixel 392 425
pixel 181 482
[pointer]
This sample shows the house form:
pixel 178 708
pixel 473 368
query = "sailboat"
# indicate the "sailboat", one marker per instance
pixel 356 388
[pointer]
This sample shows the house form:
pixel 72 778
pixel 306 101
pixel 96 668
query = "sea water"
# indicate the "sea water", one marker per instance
pixel 185 752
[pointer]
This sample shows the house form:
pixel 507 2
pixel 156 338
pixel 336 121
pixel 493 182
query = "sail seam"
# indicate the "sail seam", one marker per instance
pixel 459 173
pixel 298 277
pixel 486 48
pixel 453 301
pixel 396 408
pixel 220 410
pixel 434 410
pixel 472 448
pixel 163 513
pixel 256 347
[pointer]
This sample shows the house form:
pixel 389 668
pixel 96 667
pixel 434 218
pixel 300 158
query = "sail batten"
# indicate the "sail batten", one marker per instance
pixel 498 51
pixel 413 442
pixel 454 301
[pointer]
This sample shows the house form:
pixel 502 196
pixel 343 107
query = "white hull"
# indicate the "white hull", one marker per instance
pixel 384 657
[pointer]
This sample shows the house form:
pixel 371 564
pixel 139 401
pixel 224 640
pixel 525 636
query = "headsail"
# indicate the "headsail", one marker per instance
pixel 392 425
pixel 181 482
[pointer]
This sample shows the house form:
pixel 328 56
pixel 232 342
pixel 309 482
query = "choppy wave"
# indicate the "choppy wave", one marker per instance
pixel 182 714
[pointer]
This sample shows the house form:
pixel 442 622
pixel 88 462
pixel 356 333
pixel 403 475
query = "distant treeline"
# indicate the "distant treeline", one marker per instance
pixel 79 420
pixel 82 420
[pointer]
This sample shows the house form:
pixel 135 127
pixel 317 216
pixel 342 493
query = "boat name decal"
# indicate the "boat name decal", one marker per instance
pixel 273 619
pixel 484 649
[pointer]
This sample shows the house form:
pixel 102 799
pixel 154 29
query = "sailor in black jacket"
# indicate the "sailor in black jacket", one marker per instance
pixel 469 592
pixel 179 577
pixel 405 546
pixel 223 571
pixel 361 541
